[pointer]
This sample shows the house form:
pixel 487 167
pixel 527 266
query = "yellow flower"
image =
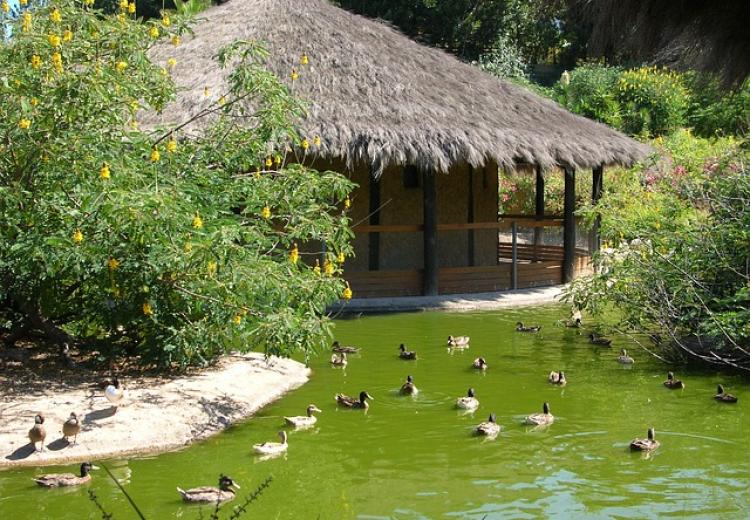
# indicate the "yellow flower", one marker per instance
pixel 277 160
pixel 155 155
pixel 294 254
pixel 206 91
pixel 316 140
pixel 104 173
pixel 53 40
pixel 113 263
pixel 85 2
pixel 222 101
pixel 121 65
pixel 34 101
pixel 26 22
pixel 147 309
pixel 57 61
pixel 211 267
pixel 36 61
pixel 77 236
pixel 176 40
pixel 340 257
pixel 5 6
pixel 197 221
pixel 171 146
pixel 269 162
pixel 347 203
pixel 67 35
pixel 124 5
pixel 171 62
pixel 121 18
pixel 265 212
pixel 295 76
pixel 304 60
pixel 23 2
pixel 153 32
pixel 237 319
pixel 24 124
pixel 131 8
pixel 188 247
pixel 55 16
pixel 305 144
pixel 316 269
pixel 347 294
pixel 328 267
pixel 165 21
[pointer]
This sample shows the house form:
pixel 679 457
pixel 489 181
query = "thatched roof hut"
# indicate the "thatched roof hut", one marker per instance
pixel 376 97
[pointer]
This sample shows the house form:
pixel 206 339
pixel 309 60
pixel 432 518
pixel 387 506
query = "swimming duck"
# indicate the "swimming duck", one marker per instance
pixel 723 396
pixel 300 421
pixel 672 383
pixel 479 363
pixel 599 340
pixel 469 402
pixel 541 419
pixel 71 427
pixel 520 327
pixel 490 428
pixel 351 402
pixel 406 354
pixel 624 358
pixel 210 494
pixel 66 479
pixel 574 324
pixel 272 448
pixel 339 360
pixel 458 341
pixel 344 349
pixel 37 433
pixel 408 388
pixel 557 378
pixel 114 392
pixel 648 444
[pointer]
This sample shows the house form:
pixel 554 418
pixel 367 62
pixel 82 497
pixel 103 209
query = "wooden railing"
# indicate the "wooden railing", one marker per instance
pixel 505 222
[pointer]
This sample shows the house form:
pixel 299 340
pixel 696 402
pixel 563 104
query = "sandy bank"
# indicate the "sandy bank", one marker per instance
pixel 189 408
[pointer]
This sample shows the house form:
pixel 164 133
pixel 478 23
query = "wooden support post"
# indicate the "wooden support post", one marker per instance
pixel 569 225
pixel 539 208
pixel 597 189
pixel 470 219
pixel 514 257
pixel 429 193
pixel 374 249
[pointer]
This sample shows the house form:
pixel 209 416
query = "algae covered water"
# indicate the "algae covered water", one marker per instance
pixel 415 457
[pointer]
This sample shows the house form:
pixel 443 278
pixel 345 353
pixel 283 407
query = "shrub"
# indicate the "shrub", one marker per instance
pixel 590 90
pixel 653 101
pixel 503 60
pixel 714 112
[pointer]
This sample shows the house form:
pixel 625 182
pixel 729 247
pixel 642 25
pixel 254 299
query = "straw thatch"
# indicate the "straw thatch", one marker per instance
pixel 377 97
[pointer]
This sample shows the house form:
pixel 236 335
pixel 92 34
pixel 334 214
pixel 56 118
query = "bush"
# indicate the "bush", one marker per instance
pixel 653 101
pixel 714 112
pixel 590 90
pixel 127 242
pixel 503 60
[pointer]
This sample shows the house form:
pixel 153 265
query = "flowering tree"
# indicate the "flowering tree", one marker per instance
pixel 124 241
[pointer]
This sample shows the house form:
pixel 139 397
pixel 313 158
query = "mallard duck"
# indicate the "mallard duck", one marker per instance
pixel 339 360
pixel 520 327
pixel 66 479
pixel 596 339
pixel 301 421
pixel 408 388
pixel 344 349
pixel 723 396
pixel 71 427
pixel 351 402
pixel 272 448
pixel 672 383
pixel 541 419
pixel 624 358
pixel 490 428
pixel 557 378
pixel 479 363
pixel 406 354
pixel 37 433
pixel 210 494
pixel 469 402
pixel 458 341
pixel 114 392
pixel 648 444
pixel 574 324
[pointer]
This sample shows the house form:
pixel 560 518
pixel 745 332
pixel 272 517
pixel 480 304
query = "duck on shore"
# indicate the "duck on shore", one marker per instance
pixel 37 433
pixel 406 354
pixel 301 421
pixel 210 494
pixel 351 402
pixel 272 448
pixel 672 383
pixel 724 397
pixel 647 444
pixel 115 392
pixel 66 479
pixel 409 388
pixel 71 428
pixel 520 327
pixel 541 419
pixel 468 402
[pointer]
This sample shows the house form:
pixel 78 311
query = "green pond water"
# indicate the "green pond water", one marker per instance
pixel 416 458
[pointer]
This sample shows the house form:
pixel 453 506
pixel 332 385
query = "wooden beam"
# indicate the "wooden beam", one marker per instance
pixel 569 225
pixel 470 218
pixel 525 222
pixel 429 195
pixel 597 190
pixel 539 204
pixel 374 239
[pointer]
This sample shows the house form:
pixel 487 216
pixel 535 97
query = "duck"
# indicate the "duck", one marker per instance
pixel 723 396
pixel 66 479
pixel 557 378
pixel 469 402
pixel 344 349
pixel 574 324
pixel 351 402
pixel 520 327
pixel 406 354
pixel 479 363
pixel 647 444
pixel 409 388
pixel 272 448
pixel 301 421
pixel 37 433
pixel 596 339
pixel 339 360
pixel 71 428
pixel 672 383
pixel 488 428
pixel 209 494
pixel 541 419
pixel 458 341
pixel 114 392
pixel 624 358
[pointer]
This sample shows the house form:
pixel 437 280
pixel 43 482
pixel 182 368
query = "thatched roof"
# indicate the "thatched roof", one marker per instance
pixel 380 98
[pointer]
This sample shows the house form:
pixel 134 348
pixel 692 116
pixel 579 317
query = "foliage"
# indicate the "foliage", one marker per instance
pixel 590 90
pixel 130 242
pixel 714 111
pixel 504 60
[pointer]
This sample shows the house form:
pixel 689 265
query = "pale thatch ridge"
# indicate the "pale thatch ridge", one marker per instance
pixel 377 97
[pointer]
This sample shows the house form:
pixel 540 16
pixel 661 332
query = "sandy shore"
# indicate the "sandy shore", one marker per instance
pixel 189 408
